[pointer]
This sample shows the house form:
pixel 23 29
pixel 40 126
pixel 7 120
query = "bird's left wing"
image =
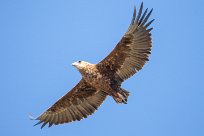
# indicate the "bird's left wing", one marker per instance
pixel 77 104
pixel 133 50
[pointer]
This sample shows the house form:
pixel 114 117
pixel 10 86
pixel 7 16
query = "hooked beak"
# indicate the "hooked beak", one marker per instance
pixel 75 64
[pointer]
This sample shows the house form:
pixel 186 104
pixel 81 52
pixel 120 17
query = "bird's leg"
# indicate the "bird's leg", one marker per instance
pixel 124 93
pixel 121 96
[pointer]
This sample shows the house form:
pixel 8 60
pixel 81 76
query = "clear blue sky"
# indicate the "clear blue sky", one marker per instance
pixel 39 40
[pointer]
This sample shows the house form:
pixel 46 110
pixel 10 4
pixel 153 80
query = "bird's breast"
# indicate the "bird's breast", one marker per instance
pixel 97 80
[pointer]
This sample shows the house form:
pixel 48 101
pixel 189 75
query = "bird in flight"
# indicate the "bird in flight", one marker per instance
pixel 105 78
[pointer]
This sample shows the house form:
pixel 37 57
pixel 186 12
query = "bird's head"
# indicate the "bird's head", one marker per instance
pixel 82 66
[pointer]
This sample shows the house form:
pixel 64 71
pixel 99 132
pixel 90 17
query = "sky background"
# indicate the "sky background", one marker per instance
pixel 39 40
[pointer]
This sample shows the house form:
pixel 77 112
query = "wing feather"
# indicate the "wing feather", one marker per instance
pixel 132 52
pixel 82 101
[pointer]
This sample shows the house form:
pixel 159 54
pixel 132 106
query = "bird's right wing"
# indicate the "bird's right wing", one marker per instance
pixel 77 104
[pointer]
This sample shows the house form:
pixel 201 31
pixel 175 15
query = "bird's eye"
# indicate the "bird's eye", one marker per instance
pixel 79 61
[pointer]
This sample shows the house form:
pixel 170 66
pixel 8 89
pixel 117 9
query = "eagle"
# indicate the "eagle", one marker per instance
pixel 105 78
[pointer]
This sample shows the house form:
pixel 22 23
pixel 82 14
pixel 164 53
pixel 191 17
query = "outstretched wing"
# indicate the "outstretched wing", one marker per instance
pixel 77 104
pixel 132 52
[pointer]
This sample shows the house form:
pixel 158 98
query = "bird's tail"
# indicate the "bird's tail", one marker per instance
pixel 122 96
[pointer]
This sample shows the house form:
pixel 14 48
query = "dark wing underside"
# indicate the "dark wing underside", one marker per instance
pixel 77 104
pixel 132 52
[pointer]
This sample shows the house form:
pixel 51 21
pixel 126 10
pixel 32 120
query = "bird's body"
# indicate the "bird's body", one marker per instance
pixel 105 78
pixel 103 81
pixel 92 76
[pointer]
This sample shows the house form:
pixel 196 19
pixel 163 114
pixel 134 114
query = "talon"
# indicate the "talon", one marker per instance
pixel 124 100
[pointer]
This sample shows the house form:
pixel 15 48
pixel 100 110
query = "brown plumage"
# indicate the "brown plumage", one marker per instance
pixel 105 78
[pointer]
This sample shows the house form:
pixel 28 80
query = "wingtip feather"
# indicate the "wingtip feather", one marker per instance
pixel 139 13
pixel 134 15
pixel 31 117
pixel 147 17
pixel 43 125
pixel 38 123
pixel 149 23
pixel 141 4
